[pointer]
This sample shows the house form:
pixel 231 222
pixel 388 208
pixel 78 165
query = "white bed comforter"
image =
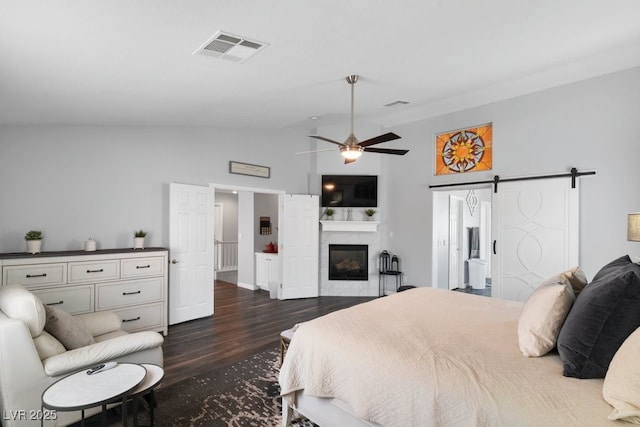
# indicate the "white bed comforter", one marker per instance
pixel 430 357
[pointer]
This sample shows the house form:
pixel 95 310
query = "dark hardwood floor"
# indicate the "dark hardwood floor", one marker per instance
pixel 244 323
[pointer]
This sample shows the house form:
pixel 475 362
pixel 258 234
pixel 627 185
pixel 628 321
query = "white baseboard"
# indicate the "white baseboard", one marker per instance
pixel 247 286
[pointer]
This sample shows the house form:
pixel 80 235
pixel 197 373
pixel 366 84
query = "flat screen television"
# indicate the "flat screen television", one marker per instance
pixel 355 191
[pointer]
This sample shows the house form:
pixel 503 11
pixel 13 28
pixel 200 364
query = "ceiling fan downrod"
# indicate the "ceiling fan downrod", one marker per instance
pixel 352 79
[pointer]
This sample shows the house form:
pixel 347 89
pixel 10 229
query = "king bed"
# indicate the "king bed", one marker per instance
pixel 427 357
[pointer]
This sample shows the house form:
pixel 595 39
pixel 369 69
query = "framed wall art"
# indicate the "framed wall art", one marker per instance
pixel 464 150
pixel 249 169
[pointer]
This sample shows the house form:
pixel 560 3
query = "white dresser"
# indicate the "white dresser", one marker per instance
pixel 132 283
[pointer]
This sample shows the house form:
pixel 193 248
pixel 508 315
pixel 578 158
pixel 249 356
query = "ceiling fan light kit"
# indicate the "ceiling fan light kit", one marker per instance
pixel 351 153
pixel 351 149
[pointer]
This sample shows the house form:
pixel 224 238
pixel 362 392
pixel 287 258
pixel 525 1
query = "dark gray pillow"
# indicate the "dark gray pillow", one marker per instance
pixel 613 267
pixel 605 313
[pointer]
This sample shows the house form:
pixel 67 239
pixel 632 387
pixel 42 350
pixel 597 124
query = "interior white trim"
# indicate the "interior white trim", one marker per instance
pixel 366 226
pixel 252 189
pixel 247 286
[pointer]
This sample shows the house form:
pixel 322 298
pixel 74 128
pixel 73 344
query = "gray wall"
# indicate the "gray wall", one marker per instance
pixel 265 205
pixel 591 125
pixel 79 182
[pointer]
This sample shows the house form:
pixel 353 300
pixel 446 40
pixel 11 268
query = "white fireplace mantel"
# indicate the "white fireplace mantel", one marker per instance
pixel 364 226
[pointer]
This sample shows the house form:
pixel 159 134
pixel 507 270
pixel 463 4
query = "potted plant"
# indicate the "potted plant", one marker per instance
pixel 329 212
pixel 369 213
pixel 138 238
pixel 34 241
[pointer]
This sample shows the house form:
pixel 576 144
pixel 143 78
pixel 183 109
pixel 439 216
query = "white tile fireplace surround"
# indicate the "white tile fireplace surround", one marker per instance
pixel 349 233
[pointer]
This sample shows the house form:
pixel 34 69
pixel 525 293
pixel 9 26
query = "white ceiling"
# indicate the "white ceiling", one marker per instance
pixel 130 62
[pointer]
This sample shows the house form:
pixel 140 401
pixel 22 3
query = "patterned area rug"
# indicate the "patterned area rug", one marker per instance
pixel 245 393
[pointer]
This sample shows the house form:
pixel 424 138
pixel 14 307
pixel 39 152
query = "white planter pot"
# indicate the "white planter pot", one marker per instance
pixel 33 246
pixel 138 243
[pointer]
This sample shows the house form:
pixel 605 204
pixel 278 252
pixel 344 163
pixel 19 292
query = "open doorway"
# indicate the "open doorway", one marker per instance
pixel 226 235
pixel 242 209
pixel 462 239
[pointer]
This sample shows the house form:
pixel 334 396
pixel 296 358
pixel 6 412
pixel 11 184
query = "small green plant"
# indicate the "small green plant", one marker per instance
pixel 369 212
pixel 33 235
pixel 140 233
pixel 329 212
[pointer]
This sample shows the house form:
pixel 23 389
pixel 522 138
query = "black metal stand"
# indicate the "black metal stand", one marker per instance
pixel 383 280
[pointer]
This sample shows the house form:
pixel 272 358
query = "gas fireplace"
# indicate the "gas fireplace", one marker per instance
pixel 348 262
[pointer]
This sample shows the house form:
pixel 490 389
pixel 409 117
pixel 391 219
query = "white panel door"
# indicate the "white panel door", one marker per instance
pixel 535 226
pixel 299 247
pixel 191 247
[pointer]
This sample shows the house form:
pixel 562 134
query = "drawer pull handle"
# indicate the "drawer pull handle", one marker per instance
pixel 32 276
pixel 56 303
pixel 130 293
pixel 143 266
pixel 130 320
pixel 95 271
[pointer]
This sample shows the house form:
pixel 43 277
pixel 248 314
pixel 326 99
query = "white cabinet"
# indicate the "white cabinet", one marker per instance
pixel 267 269
pixel 133 283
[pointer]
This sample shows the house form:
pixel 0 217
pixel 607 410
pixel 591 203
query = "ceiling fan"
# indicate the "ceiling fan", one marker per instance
pixel 351 148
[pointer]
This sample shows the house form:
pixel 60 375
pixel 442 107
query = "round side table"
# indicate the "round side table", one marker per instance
pixel 80 391
pixel 146 388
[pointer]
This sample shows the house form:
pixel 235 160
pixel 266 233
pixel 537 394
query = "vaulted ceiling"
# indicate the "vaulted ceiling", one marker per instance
pixel 131 62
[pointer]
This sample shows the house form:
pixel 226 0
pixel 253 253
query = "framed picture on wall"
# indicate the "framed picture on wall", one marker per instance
pixel 464 150
pixel 249 169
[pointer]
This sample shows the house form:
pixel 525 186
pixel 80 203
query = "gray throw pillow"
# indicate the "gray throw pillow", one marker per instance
pixel 603 316
pixel 67 329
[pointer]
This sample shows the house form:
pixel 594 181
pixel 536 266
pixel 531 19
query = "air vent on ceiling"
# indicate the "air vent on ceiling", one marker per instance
pixel 230 47
pixel 396 103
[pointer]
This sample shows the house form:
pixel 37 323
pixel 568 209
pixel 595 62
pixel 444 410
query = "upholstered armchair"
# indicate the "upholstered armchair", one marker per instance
pixel 31 358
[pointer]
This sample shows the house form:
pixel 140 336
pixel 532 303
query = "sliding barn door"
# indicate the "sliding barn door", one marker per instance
pixel 535 231
pixel 300 231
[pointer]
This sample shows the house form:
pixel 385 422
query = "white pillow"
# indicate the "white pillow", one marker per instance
pixel 543 315
pixel 621 388
pixel 577 278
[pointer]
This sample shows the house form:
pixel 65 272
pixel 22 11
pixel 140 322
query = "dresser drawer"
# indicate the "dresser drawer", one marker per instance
pixel 135 267
pixel 40 274
pixel 73 300
pixel 94 271
pixel 132 292
pixel 142 317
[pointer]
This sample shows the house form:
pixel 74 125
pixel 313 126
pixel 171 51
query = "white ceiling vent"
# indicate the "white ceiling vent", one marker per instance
pixel 230 47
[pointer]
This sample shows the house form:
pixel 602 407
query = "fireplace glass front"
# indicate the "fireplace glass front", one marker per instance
pixel 348 262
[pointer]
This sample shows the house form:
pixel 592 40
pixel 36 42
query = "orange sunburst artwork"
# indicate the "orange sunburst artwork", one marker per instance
pixel 466 150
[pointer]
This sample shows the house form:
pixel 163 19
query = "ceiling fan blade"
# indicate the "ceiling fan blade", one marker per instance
pixel 347 161
pixel 325 139
pixel 315 151
pixel 386 151
pixel 390 136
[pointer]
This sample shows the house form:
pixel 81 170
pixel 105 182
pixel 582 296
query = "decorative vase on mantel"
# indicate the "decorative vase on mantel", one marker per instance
pixel 138 239
pixel 34 241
